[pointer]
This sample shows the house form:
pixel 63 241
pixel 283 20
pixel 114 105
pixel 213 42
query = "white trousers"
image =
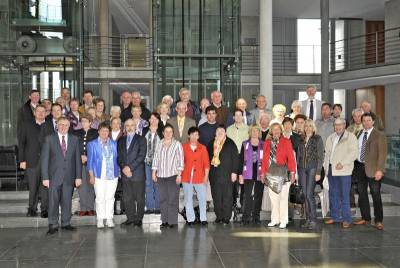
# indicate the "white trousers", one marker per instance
pixel 279 205
pixel 105 192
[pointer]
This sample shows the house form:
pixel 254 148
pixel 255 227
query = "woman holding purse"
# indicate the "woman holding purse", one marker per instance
pixel 278 160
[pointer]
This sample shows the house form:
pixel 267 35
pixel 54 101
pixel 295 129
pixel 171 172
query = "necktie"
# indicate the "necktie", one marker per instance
pixel 363 147
pixel 311 115
pixel 63 146
pixel 272 154
pixel 128 141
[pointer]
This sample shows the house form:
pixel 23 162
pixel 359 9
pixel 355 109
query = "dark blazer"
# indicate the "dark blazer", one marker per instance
pixel 375 152
pixel 91 135
pixel 229 158
pixel 29 143
pixel 55 167
pixel 189 122
pixel 25 113
pixel 133 157
pixel 295 139
pixel 47 129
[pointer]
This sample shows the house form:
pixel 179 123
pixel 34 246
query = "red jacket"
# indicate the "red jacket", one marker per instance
pixel 284 155
pixel 197 160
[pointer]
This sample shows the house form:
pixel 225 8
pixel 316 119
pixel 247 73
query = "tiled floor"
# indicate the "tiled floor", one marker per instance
pixel 215 246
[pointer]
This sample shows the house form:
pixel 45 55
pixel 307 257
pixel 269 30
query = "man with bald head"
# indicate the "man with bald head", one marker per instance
pixel 261 107
pixel 181 123
pixel 222 111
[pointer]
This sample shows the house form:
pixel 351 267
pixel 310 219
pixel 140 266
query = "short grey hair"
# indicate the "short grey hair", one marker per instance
pixel 340 120
pixel 296 103
pixel 357 110
pixel 115 108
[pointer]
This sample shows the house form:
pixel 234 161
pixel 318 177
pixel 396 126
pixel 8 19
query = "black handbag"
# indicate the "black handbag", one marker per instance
pixel 296 194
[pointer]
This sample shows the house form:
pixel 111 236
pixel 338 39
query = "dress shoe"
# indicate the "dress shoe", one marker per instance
pixel 204 223
pixel 346 225
pixel 138 224
pixel 218 220
pixel 100 224
pixel 282 226
pixel 226 221
pixel 329 221
pixel 272 224
pixel 52 230
pixel 361 222
pixel 83 213
pixel 164 225
pixel 157 212
pixel 379 226
pixel 127 223
pixel 110 223
pixel 68 228
pixel 44 214
pixel 190 224
pixel 91 213
pixel 171 226
pixel 149 211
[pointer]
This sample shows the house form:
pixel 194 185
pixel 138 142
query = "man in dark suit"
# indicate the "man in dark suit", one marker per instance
pixel 50 126
pixel 369 169
pixel 181 123
pixel 29 155
pixel 132 151
pixel 25 113
pixel 61 170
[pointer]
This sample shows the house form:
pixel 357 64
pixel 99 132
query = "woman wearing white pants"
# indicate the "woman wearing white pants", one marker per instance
pixel 278 152
pixel 103 171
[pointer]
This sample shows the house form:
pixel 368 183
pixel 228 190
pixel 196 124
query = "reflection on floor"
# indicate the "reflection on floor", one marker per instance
pixel 213 246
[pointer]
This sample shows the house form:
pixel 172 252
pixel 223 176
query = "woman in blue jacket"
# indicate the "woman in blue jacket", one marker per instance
pixel 103 171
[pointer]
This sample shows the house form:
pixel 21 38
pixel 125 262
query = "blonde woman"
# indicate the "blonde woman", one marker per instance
pixel 279 111
pixel 310 158
pixel 278 157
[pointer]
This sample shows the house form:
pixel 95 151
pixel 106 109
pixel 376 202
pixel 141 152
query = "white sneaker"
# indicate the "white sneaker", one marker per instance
pixel 272 224
pixel 282 226
pixel 100 224
pixel 110 223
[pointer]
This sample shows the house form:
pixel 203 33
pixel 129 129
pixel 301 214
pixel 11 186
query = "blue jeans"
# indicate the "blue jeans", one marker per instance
pixel 152 195
pixel 201 196
pixel 307 181
pixel 339 197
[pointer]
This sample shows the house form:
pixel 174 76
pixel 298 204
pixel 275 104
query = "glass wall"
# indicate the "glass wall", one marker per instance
pixel 40 49
pixel 196 45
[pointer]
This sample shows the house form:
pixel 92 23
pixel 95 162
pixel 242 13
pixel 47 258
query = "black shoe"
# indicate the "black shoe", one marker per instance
pixel 149 211
pixel 171 226
pixel 157 211
pixel 44 214
pixel 164 225
pixel 204 223
pixel 52 230
pixel 68 228
pixel 138 223
pixel 218 220
pixel 127 223
pixel 31 213
pixel 257 221
pixel 190 224
pixel 226 221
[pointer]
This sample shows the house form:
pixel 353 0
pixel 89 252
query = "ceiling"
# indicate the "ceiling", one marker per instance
pixel 366 9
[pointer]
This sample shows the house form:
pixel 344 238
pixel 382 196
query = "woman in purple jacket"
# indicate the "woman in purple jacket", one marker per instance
pixel 251 156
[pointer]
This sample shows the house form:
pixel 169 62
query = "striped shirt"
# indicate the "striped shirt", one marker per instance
pixel 168 161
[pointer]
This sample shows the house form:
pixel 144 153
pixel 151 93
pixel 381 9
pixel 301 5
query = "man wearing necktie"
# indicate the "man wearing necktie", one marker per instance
pixel 132 150
pixel 369 169
pixel 311 107
pixel 181 123
pixel 61 168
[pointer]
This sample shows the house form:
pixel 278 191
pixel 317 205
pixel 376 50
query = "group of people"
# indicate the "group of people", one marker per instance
pixel 143 158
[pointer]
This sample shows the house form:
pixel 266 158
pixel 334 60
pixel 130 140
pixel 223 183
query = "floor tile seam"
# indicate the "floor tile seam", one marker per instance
pixel 75 252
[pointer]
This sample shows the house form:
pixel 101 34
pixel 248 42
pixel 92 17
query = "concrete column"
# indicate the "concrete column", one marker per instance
pixel 324 6
pixel 266 50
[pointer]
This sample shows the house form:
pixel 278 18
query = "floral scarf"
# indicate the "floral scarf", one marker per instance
pixel 217 150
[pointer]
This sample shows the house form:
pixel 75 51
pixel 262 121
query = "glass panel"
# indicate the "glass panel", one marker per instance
pixel 309 45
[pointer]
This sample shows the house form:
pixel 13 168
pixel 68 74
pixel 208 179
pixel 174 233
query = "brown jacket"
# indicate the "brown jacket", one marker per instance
pixel 375 153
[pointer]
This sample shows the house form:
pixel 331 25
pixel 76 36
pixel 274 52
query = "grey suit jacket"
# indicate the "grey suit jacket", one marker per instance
pixel 188 124
pixel 317 110
pixel 57 168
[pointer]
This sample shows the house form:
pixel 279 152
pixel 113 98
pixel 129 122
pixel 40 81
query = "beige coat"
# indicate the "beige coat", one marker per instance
pixel 346 152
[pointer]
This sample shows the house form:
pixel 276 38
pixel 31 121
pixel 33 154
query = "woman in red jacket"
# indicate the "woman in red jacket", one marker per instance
pixel 195 175
pixel 278 156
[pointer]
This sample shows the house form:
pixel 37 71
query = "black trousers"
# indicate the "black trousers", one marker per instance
pixel 222 198
pixel 60 195
pixel 36 189
pixel 253 194
pixel 353 189
pixel 237 191
pixel 363 181
pixel 134 199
